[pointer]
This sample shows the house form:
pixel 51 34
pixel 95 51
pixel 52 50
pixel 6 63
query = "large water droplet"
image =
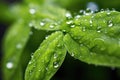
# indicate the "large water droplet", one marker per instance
pixel 32 11
pixel 55 65
pixel 9 65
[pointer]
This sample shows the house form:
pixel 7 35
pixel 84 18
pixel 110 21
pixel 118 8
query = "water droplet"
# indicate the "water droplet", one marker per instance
pixel 72 54
pixel 108 13
pixel 32 11
pixel 46 37
pixel 69 22
pixel 99 29
pixel 30 62
pixel 72 26
pixel 19 46
pixel 68 15
pixel 9 65
pixel 102 10
pixel 42 23
pixel 30 24
pixel 55 65
pixel 81 12
pixel 46 69
pixel 77 16
pixel 110 24
pixel 87 12
pixel 51 26
pixel 91 22
pixel 55 56
pixel 83 29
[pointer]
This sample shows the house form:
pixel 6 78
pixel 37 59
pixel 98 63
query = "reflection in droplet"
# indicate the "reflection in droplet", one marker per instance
pixel 110 24
pixel 42 23
pixel 32 11
pixel 55 65
pixel 9 65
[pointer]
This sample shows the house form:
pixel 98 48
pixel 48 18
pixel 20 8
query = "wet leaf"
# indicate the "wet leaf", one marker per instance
pixel 91 46
pixel 47 58
pixel 14 44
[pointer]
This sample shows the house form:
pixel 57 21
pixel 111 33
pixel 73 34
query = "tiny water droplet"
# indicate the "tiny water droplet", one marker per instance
pixel 46 69
pixel 77 16
pixel 91 22
pixel 83 29
pixel 68 15
pixel 30 24
pixel 51 26
pixel 72 26
pixel 81 12
pixel 9 65
pixel 110 24
pixel 42 23
pixel 69 22
pixel 30 62
pixel 99 29
pixel 55 65
pixel 19 46
pixel 46 37
pixel 55 56
pixel 72 54
pixel 32 11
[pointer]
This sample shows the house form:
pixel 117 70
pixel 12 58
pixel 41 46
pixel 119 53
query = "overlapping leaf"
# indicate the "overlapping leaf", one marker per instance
pixel 14 43
pixel 47 58
pixel 96 38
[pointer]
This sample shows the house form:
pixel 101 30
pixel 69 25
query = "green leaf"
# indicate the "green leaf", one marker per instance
pixel 36 38
pixel 47 58
pixel 14 43
pixel 47 17
pixel 95 38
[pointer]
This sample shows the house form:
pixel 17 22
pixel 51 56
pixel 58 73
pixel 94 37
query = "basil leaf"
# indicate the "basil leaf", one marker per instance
pixel 99 36
pixel 47 58
pixel 13 46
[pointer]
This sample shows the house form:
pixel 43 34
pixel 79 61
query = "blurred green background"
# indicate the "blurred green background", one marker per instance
pixel 73 69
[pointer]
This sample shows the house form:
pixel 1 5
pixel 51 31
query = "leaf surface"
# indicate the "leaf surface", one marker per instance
pixel 14 44
pixel 47 58
pixel 95 38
